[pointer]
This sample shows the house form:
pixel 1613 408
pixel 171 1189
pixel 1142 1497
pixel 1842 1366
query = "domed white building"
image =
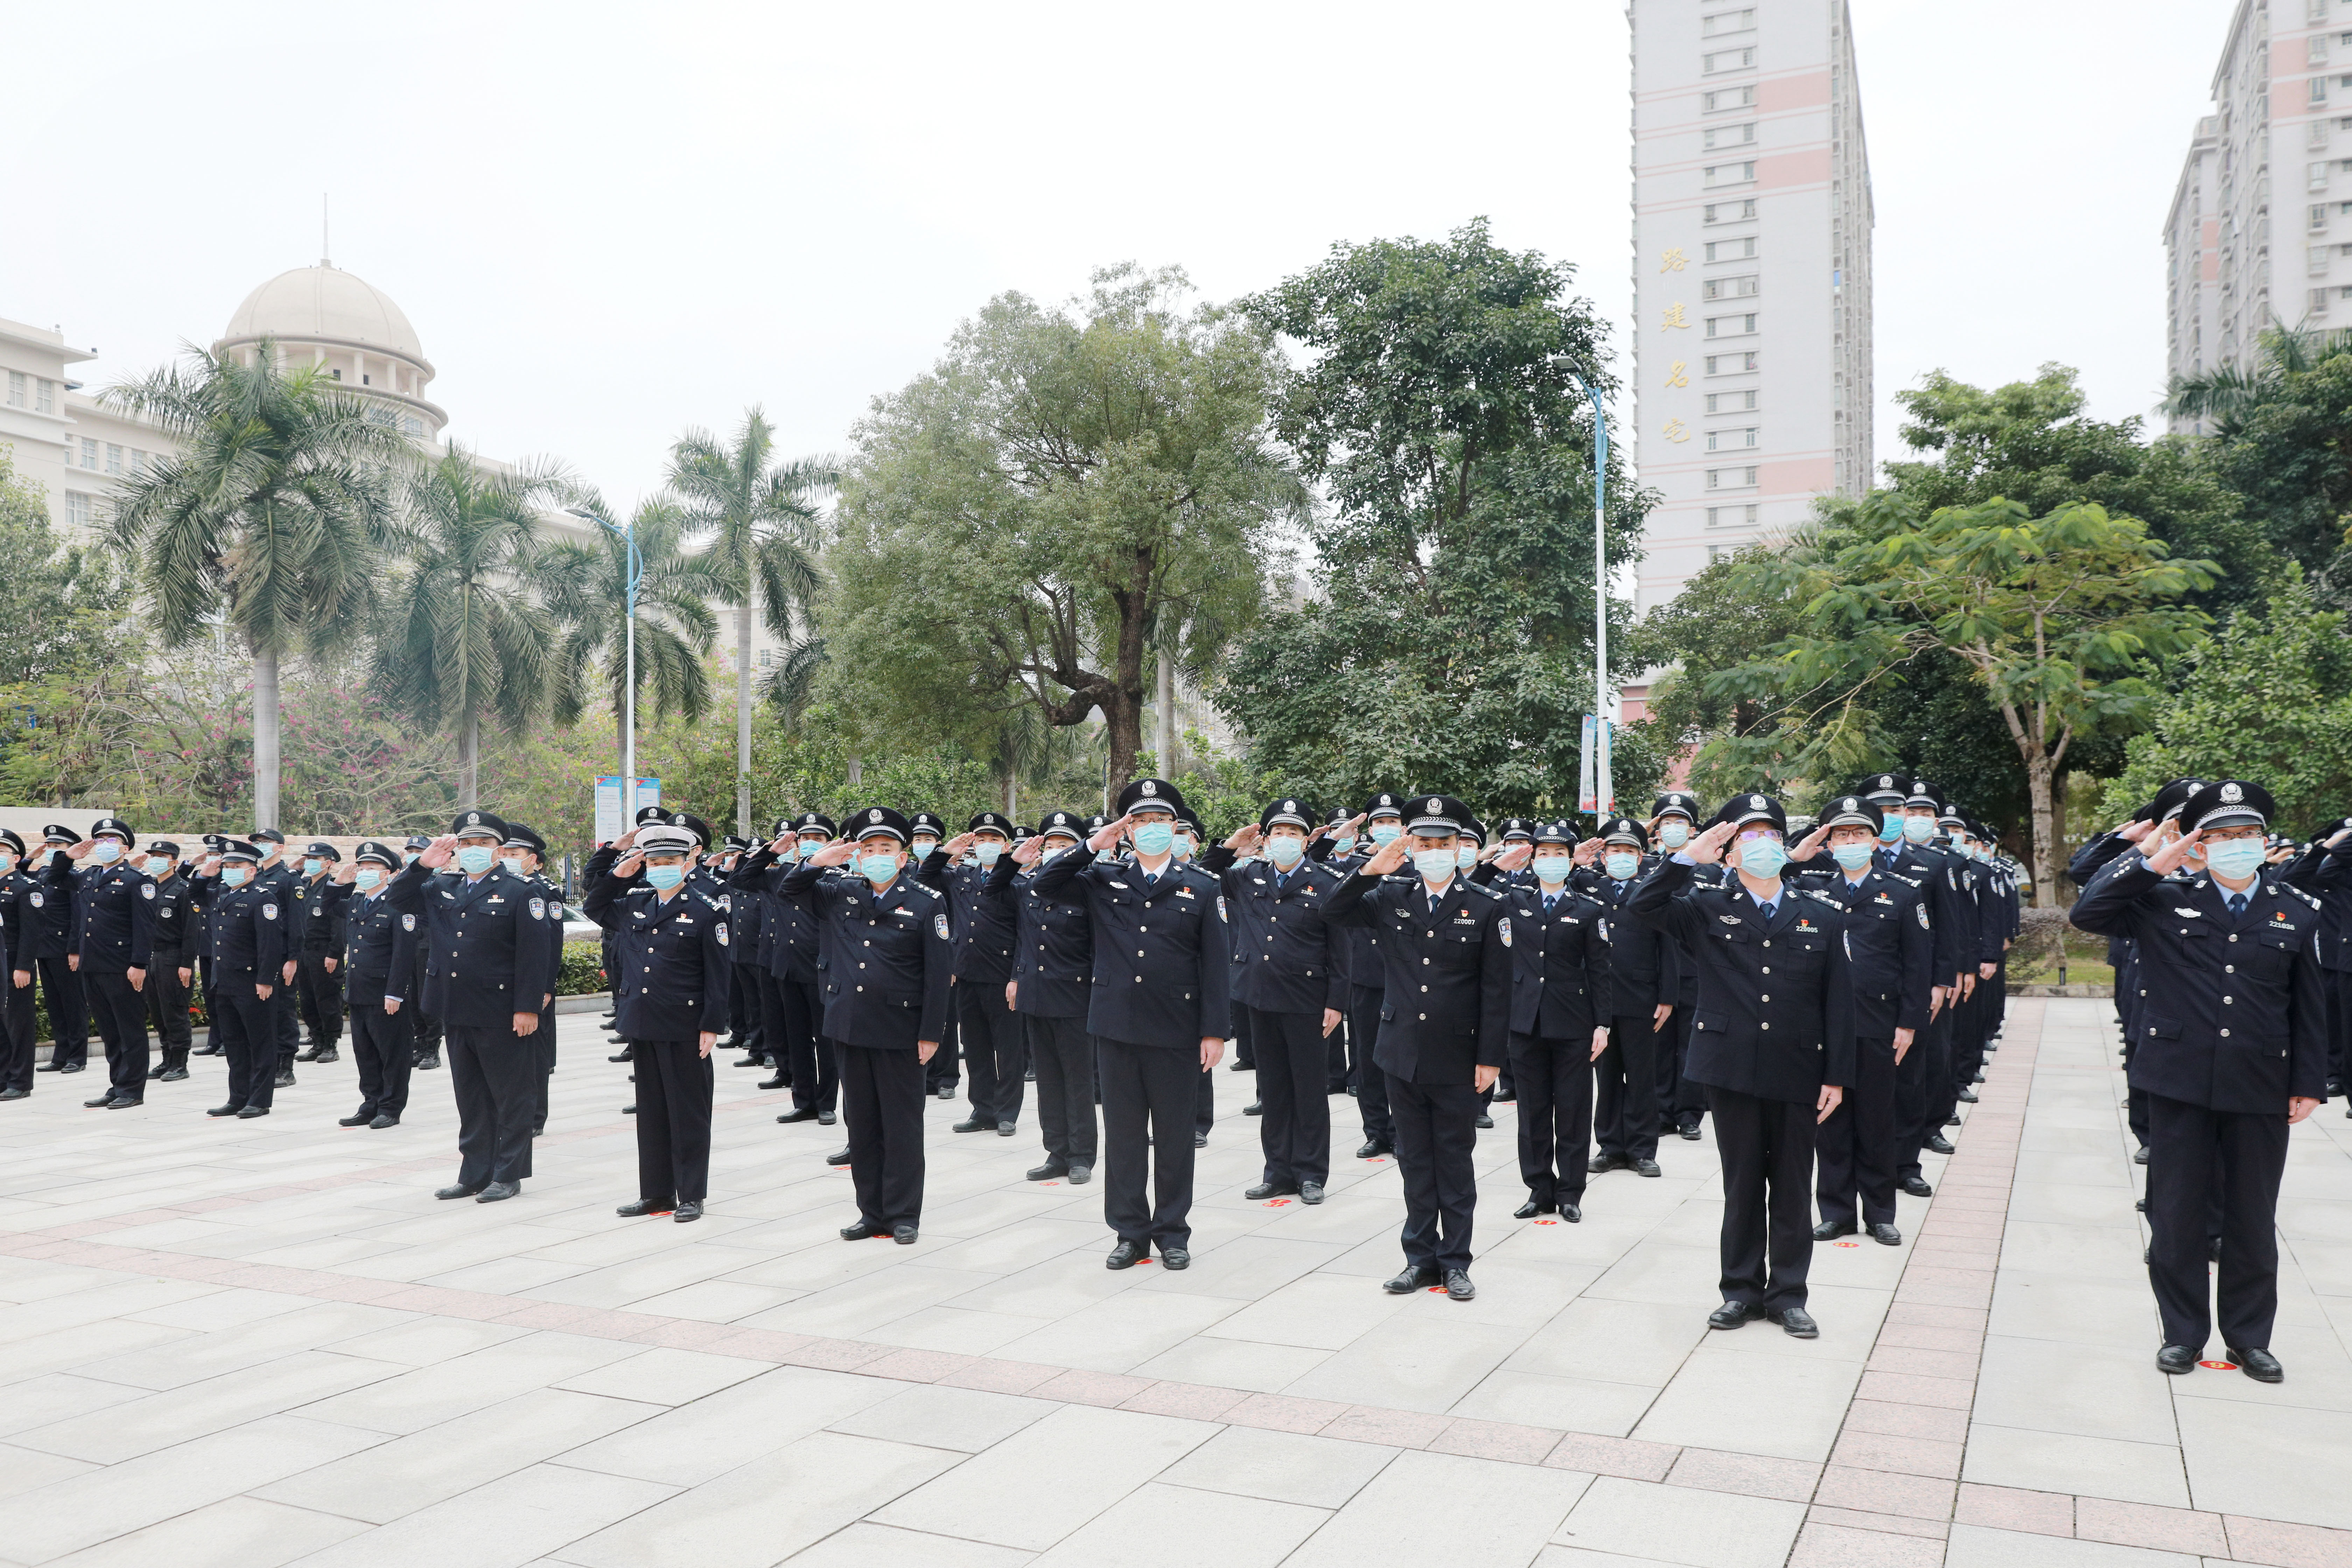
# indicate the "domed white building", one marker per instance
pixel 322 315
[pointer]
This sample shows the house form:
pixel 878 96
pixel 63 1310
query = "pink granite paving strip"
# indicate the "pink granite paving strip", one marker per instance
pixel 1884 1451
pixel 1108 1389
pixel 1749 1475
pixel 1628 1458
pixel 1495 1440
pixel 2287 1546
pixel 1877 1491
pixel 1823 1545
pixel 1192 1401
pixel 917 1366
pixel 1393 1428
pixel 2010 1508
pixel 1279 1413
pixel 1893 1523
pixel 2144 1524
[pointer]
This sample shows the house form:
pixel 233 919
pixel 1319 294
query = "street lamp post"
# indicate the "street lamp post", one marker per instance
pixel 628 536
pixel 1601 703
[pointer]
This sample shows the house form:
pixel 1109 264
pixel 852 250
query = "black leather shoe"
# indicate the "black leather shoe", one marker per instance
pixel 1505 1096
pixel 309 1056
pixel 427 1063
pixel 1830 1229
pixel 2260 1365
pixel 1952 1121
pixel 1885 1235
pixel 1690 1130
pixel 1310 1191
pixel 286 1081
pixel 172 1075
pixel 1238 1065
pixel 752 1062
pixel 1600 1164
pixel 8 1094
pixel 839 1157
pixel 73 1066
pixel 1978 1078
pixel 947 1091
pixel 628 1111
pixel 1412 1280
pixel 539 1128
pixel 1176 1258
pixel 1051 1170
pixel 688 1211
pixel 459 1190
pixel 645 1206
pixel 497 1192
pixel 250 1111
pixel 1458 1286
pixel 1798 1323
pixel 826 1118
pixel 1917 1187
pixel 224 1110
pixel 2139 1156
pixel 1485 1123
pixel 100 1103
pixel 1529 1209
pixel 779 1081
pixel 1940 1144
pixel 1647 1168
pixel 798 1113
pixel 124 1102
pixel 381 1122
pixel 1007 1129
pixel 973 1124
pixel 1265 1190
pixel 616 1057
pixel 155 1072
pixel 2141 1204
pixel 1374 1150
pixel 1730 1315
pixel 904 1235
pixel 1254 1108
pixel 2178 1360
pixel 1200 1140
pixel 1126 1255
pixel 329 1055
pixel 1571 1214
pixel 48 1067
pixel 1081 1174
pixel 861 1231
pixel 354 1121
pixel 1968 1096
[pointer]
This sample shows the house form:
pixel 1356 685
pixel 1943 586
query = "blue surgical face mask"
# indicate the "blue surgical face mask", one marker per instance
pixel 1155 838
pixel 1344 846
pixel 7 864
pixel 1466 857
pixel 1552 869
pixel 237 876
pixel 1184 846
pixel 989 853
pixel 809 847
pixel 1852 856
pixel 878 867
pixel 1918 829
pixel 474 858
pixel 1621 866
pixel 312 867
pixel 367 879
pixel 1762 858
pixel 2235 858
pixel 1285 850
pixel 923 847
pixel 156 865
pixel 664 877
pixel 1674 833
pixel 106 852
pixel 1386 832
pixel 1434 865
pixel 1890 828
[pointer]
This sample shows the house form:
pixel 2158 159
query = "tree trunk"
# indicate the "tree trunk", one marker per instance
pixel 265 738
pixel 743 715
pixel 1164 740
pixel 2038 783
pixel 469 763
pixel 857 772
pixel 1123 713
pixel 1013 797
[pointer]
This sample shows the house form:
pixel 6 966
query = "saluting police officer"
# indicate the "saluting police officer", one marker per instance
pixel 1675 816
pixel 524 855
pixel 487 969
pixel 172 959
pixel 1382 822
pixel 114 931
pixel 427 1024
pixel 279 877
pixel 17 1029
pixel 1560 990
pixel 378 965
pixel 2233 1050
pixel 1771 1038
pixel 54 946
pixel 318 926
pixel 1052 977
pixel 982 917
pixel 805 1058
pixel 1160 1017
pixel 671 995
pixel 249 943
pixel 886 955
pixel 1647 977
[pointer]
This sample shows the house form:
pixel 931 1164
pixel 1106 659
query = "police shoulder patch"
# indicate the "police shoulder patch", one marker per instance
pixel 408 923
pixel 269 911
pixel 36 901
pixel 147 891
pixel 720 929
pixel 939 926
pixel 539 909
pixel 1220 909
pixel 1921 911
pixel 1502 930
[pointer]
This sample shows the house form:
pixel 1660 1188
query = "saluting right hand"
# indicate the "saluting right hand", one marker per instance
pixel 1387 857
pixel 837 853
pixel 1108 837
pixel 1026 853
pixel 1245 839
pixel 438 853
pixel 628 865
pixel 2168 860
pixel 1708 848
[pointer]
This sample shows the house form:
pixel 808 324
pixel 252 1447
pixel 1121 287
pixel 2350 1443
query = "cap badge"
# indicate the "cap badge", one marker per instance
pixel 1149 788
pixel 1435 804
pixel 1754 803
pixel 473 819
pixel 874 815
pixel 2231 795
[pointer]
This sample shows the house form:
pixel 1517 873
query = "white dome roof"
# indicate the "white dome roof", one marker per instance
pixel 312 304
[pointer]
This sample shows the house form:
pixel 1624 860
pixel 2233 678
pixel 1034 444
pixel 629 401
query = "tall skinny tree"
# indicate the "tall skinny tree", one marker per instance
pixel 759 521
pixel 275 517
pixel 587 590
pixel 471 639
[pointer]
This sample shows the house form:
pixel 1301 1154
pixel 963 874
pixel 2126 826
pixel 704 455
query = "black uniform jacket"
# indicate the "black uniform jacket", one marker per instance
pixel 983 917
pixel 884 956
pixel 319 914
pixel 676 957
pixel 788 926
pixel 380 948
pixel 2234 1017
pixel 1891 942
pixel 487 952
pixel 249 926
pixel 1446 1009
pixel 2327 877
pixel 1774 1011
pixel 1646 967
pixel 1290 959
pixel 1162 957
pixel 1054 951
pixel 178 924
pixel 1560 977
pixel 112 913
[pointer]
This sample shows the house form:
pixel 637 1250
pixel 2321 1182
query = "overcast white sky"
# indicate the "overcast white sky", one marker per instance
pixel 609 223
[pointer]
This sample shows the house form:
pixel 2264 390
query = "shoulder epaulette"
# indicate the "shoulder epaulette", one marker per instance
pixel 1482 887
pixel 2298 892
pixel 1819 897
pixel 926 887
pixel 1906 881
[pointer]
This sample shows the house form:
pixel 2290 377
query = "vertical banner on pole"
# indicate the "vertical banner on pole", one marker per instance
pixel 1588 793
pixel 1603 786
pixel 613 805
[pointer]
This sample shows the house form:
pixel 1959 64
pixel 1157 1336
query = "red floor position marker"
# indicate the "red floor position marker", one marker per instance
pixel 1845 1244
pixel 2218 1365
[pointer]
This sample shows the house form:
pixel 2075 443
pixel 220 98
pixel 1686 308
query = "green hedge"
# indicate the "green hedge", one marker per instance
pixel 584 969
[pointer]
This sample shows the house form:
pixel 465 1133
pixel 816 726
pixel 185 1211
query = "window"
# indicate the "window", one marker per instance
pixel 2317 51
pixel 1716 553
pixel 1731 249
pixel 1731 173
pixel 78 510
pixel 1725 97
pixel 1731 516
pixel 1740 439
pixel 1730 212
pixel 20 387
pixel 2316 176
pixel 1731 402
pixel 1731 479
pixel 45 397
pixel 1730 136
pixel 1731 364
pixel 89 454
pixel 1741 287
pixel 412 426
pixel 138 461
pixel 2318 302
pixel 2314 260
pixel 2319 215
pixel 1730 326
pixel 2318 90
pixel 1745 59
pixel 113 458
pixel 767 658
pixel 1722 22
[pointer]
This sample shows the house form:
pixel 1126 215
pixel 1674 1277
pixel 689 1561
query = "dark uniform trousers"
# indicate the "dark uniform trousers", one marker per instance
pixel 1204 1098
pixel 1922 1105
pixel 1680 1101
pixel 167 1009
pixel 492 1073
pixel 1371 1083
pixel 1625 1088
pixel 745 1023
pixel 427 1024
pixel 1064 1054
pixel 246 1028
pixel 543 1062
pixel 1436 1134
pixel 1767 1149
pixel 1245 1046
pixel 16 1042
pixel 321 996
pixel 384 1047
pixel 1555 1088
pixel 2243 1155
pixel 814 1062
pixel 1855 1147
pixel 211 1046
pixel 286 1006
pixel 769 993
pixel 69 1012
pixel 122 1017
pixel 882 1104
pixel 1294 1095
pixel 992 1050
pixel 1150 1093
pixel 675 1084
pixel 942 1069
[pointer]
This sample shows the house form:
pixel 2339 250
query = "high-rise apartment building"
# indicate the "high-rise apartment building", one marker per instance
pixel 2237 260
pixel 1751 273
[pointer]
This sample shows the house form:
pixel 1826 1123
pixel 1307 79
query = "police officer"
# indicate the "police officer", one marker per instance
pixel 1291 982
pixel 113 905
pixel 1771 1038
pixel 2231 1051
pixel 54 946
pixel 670 993
pixel 746 917
pixel 1052 976
pixel 1560 1008
pixel 487 969
pixel 1675 816
pixel 1158 1013
pixel 1905 847
pixel 427 1024
pixel 524 855
pixel 1890 940
pixel 248 940
pixel 981 915
pixel 751 908
pixel 16 1027
pixel 887 953
pixel 1647 976
pixel 280 878
pixel 203 877
pixel 378 965
pixel 809 1058
pixel 1382 822
pixel 172 958
pixel 319 922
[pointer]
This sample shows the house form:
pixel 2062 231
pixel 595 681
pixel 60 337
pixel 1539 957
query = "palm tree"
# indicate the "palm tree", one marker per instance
pixel 472 638
pixel 586 588
pixel 275 517
pixel 2228 392
pixel 761 518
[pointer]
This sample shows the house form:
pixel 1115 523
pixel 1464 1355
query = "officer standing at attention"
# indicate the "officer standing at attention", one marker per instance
pixel 1771 1038
pixel 1053 975
pixel 1292 983
pixel 16 998
pixel 487 969
pixel 1892 944
pixel 671 995
pixel 1673 823
pixel 524 855
pixel 318 898
pixel 204 880
pixel 940 1074
pixel 981 915
pixel 746 1027
pixel 55 951
pixel 172 959
pixel 763 974
pixel 1559 1023
pixel 887 956
pixel 809 1056
pixel 248 940
pixel 1159 1018
pixel 2231 1051
pixel 1647 976
pixel 1383 821
pixel 427 1024
pixel 380 962
pixel 275 875
pixel 113 938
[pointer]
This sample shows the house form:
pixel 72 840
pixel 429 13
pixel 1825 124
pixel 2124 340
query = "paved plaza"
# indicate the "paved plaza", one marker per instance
pixel 260 1342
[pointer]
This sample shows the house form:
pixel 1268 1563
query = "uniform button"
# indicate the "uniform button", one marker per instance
pixel 1766 997
pixel 1139 952
pixel 1768 968
pixel 1763 1026
pixel 1139 980
pixel 1767 941
pixel 861 988
pixel 2233 936
pixel 1424 961
pixel 869 941
pixel 2225 1034
pixel 2226 968
pixel 2225 1000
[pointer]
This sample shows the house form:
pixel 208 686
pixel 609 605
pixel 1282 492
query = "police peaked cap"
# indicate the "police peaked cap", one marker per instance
pixel 2231 803
pixel 1095 824
pixel 1287 812
pixel 59 834
pixel 415 841
pixel 8 837
pixel 319 849
pixel 1854 811
pixel 926 822
pixel 163 846
pixel 238 850
pixel 783 825
pixel 649 814
pixel 1062 823
pixel 1383 805
pixel 1555 833
pixel 1518 827
pixel 1435 814
pixel 1742 809
pixel 115 826
pixel 1924 793
pixel 1192 819
pixel 1151 794
pixel 521 836
pixel 1883 789
pixel 1338 815
pixel 1950 814
pixel 1472 828
pixel 1624 830
pixel 479 824
pixel 879 821
pixel 267 836
pixel 814 822
pixel 692 824
pixel 985 821
pixel 662 838
pixel 1677 800
pixel 1022 835
pixel 2168 800
pixel 370 850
